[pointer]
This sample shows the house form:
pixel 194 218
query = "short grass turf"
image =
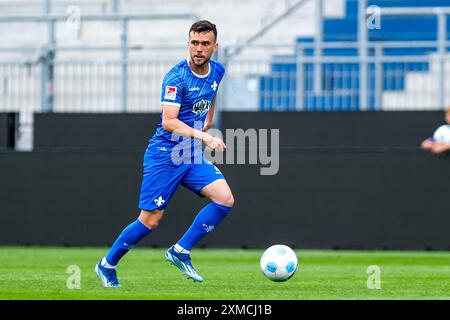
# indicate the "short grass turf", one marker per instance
pixel 41 273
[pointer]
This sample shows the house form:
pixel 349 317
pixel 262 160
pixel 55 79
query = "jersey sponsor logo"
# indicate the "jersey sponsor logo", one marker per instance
pixel 171 93
pixel 201 106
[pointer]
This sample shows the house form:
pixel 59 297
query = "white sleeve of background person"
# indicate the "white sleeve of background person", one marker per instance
pixel 442 134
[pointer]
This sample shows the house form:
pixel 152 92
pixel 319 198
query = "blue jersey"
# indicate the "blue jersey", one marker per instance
pixel 192 93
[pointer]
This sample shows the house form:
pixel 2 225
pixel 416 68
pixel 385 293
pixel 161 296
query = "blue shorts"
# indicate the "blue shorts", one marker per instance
pixel 161 178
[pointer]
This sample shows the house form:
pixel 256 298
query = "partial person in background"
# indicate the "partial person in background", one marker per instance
pixel 440 141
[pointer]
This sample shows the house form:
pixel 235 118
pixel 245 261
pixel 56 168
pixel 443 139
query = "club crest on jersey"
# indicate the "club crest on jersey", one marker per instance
pixel 214 85
pixel 201 107
pixel 171 93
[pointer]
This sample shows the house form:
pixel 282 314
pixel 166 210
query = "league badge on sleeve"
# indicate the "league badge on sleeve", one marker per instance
pixel 171 93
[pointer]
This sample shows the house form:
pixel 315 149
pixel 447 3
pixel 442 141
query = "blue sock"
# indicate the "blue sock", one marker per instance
pixel 129 237
pixel 207 219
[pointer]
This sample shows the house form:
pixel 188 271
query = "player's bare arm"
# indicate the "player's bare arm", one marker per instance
pixel 170 122
pixel 440 147
pixel 427 144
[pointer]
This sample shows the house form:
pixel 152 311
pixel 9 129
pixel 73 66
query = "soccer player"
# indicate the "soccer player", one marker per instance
pixel 188 98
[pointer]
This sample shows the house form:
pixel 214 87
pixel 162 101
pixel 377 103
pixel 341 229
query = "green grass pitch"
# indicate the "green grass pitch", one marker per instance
pixel 41 273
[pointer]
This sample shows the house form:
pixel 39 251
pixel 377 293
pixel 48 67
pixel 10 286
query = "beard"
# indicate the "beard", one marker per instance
pixel 199 61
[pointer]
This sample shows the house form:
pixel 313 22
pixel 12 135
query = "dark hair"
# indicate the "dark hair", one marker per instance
pixel 204 26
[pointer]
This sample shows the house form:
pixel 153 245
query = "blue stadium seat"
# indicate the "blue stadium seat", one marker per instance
pixel 277 93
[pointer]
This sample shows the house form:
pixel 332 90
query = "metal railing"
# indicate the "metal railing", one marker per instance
pixel 266 82
pixel 389 81
pixel 289 82
pixel 441 13
pixel 47 57
pixel 294 81
pixel 301 76
pixel 18 77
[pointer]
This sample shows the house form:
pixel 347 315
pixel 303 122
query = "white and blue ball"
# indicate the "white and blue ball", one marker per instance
pixel 279 263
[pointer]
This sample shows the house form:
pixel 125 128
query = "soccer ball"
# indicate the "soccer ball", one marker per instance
pixel 279 263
